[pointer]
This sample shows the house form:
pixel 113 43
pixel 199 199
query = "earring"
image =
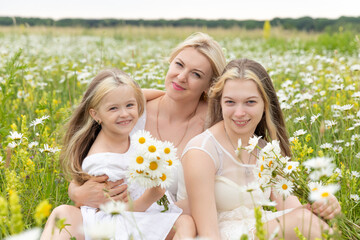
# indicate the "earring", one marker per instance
pixel 98 122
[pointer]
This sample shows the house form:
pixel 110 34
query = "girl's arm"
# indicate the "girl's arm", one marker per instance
pixel 199 173
pixel 150 196
pixel 92 193
pixel 151 94
pixel 282 204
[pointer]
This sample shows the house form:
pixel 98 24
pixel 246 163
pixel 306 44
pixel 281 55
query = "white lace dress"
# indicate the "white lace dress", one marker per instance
pixel 149 225
pixel 235 206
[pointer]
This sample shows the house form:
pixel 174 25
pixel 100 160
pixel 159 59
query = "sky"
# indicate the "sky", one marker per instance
pixel 170 9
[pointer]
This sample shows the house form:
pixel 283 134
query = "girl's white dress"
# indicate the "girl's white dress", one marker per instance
pixel 234 204
pixel 150 225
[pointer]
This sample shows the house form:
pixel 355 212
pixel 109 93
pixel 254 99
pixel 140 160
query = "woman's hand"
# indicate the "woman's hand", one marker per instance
pixel 96 191
pixel 327 209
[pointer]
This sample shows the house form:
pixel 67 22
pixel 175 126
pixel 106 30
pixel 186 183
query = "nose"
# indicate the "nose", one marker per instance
pixel 123 112
pixel 182 76
pixel 239 111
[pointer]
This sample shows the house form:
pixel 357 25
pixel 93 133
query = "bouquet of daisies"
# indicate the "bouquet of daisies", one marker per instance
pixel 309 180
pixel 153 163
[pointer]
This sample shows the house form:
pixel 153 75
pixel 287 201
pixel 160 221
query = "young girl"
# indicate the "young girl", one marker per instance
pixel 97 142
pixel 242 103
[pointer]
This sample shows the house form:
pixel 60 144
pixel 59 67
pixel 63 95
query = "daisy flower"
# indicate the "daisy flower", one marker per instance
pixel 355 174
pixel 253 141
pixel 354 197
pixel 326 146
pixel 14 135
pixel 141 162
pixel 12 145
pixel 318 162
pixel 101 230
pixel 330 123
pixel 33 144
pixel 299 132
pixel 323 192
pixel 284 187
pixel 314 186
pixel 114 208
pixel 166 178
pixel 141 139
pixel 32 234
pixel 313 118
pixel 290 167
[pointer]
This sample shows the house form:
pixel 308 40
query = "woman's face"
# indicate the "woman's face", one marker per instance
pixel 242 106
pixel 189 75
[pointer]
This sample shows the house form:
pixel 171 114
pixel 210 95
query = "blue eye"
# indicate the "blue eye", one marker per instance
pixel 228 102
pixel 129 105
pixel 197 74
pixel 179 64
pixel 113 108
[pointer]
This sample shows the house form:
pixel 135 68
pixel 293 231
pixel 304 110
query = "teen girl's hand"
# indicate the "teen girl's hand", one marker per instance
pixel 327 209
pixel 92 193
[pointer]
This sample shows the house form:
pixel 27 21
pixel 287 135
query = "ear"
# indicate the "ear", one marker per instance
pixel 93 114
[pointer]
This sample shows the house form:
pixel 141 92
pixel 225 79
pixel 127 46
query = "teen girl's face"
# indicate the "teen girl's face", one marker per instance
pixel 118 111
pixel 189 75
pixel 242 107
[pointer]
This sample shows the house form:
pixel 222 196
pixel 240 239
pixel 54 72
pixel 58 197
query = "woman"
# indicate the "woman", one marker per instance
pixel 177 116
pixel 242 103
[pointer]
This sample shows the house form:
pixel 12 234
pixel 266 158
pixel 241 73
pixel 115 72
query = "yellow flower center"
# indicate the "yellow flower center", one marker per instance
pixel 325 194
pixel 139 160
pixel 142 140
pixel 153 166
pixel 152 148
pixel 163 177
pixel 270 163
pixel 259 175
pixel 284 187
pixel 167 150
pixel 290 167
pixel 139 172
pixel 170 162
pixel 314 189
pixel 262 168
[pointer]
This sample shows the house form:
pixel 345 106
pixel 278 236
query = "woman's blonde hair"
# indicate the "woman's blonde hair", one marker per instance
pixel 82 130
pixel 272 124
pixel 207 46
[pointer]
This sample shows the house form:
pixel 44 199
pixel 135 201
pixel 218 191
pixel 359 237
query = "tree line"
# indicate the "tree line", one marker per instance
pixel 303 24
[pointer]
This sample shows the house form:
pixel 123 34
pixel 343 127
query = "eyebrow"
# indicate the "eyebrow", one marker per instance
pixel 179 59
pixel 245 98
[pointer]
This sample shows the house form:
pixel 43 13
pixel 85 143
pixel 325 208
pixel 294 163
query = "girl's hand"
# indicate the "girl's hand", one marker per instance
pixel 327 209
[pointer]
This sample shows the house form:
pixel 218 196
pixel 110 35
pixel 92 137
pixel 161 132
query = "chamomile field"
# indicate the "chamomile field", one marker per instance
pixel 44 72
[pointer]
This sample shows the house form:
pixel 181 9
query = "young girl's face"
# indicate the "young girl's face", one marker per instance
pixel 118 111
pixel 242 106
pixel 189 75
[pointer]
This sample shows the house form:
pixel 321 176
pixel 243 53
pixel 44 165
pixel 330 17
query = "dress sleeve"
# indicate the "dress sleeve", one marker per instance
pixel 206 143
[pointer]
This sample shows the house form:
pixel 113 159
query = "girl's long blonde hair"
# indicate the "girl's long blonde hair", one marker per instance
pixel 82 130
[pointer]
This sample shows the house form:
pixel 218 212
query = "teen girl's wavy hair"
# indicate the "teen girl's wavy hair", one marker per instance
pixel 272 124
pixel 82 130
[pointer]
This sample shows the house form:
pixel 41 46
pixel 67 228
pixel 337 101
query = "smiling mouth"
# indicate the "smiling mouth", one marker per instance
pixel 177 87
pixel 242 122
pixel 124 122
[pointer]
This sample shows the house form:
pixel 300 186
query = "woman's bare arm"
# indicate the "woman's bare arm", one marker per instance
pixel 151 94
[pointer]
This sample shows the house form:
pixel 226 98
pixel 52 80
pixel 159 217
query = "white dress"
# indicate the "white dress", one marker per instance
pixel 234 205
pixel 153 224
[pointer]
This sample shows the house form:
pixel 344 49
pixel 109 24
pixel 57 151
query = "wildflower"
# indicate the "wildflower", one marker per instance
pixel 284 187
pixel 299 119
pixel 42 211
pixel 114 208
pixel 355 197
pixel 290 166
pixel 355 67
pixel 237 151
pixel 299 132
pixel 12 145
pixel 338 149
pixel 338 171
pixel 141 139
pixel 33 144
pixel 318 162
pixel 357 155
pixel 314 186
pixel 313 118
pixel 253 141
pixel 38 121
pixel 326 146
pixel 22 94
pixel 355 174
pixel 356 95
pixel 32 234
pixel 14 135
pixel 346 107
pixel 330 123
pixel 323 192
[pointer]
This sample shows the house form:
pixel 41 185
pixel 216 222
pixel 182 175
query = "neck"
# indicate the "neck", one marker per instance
pixel 177 110
pixel 233 137
pixel 114 142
